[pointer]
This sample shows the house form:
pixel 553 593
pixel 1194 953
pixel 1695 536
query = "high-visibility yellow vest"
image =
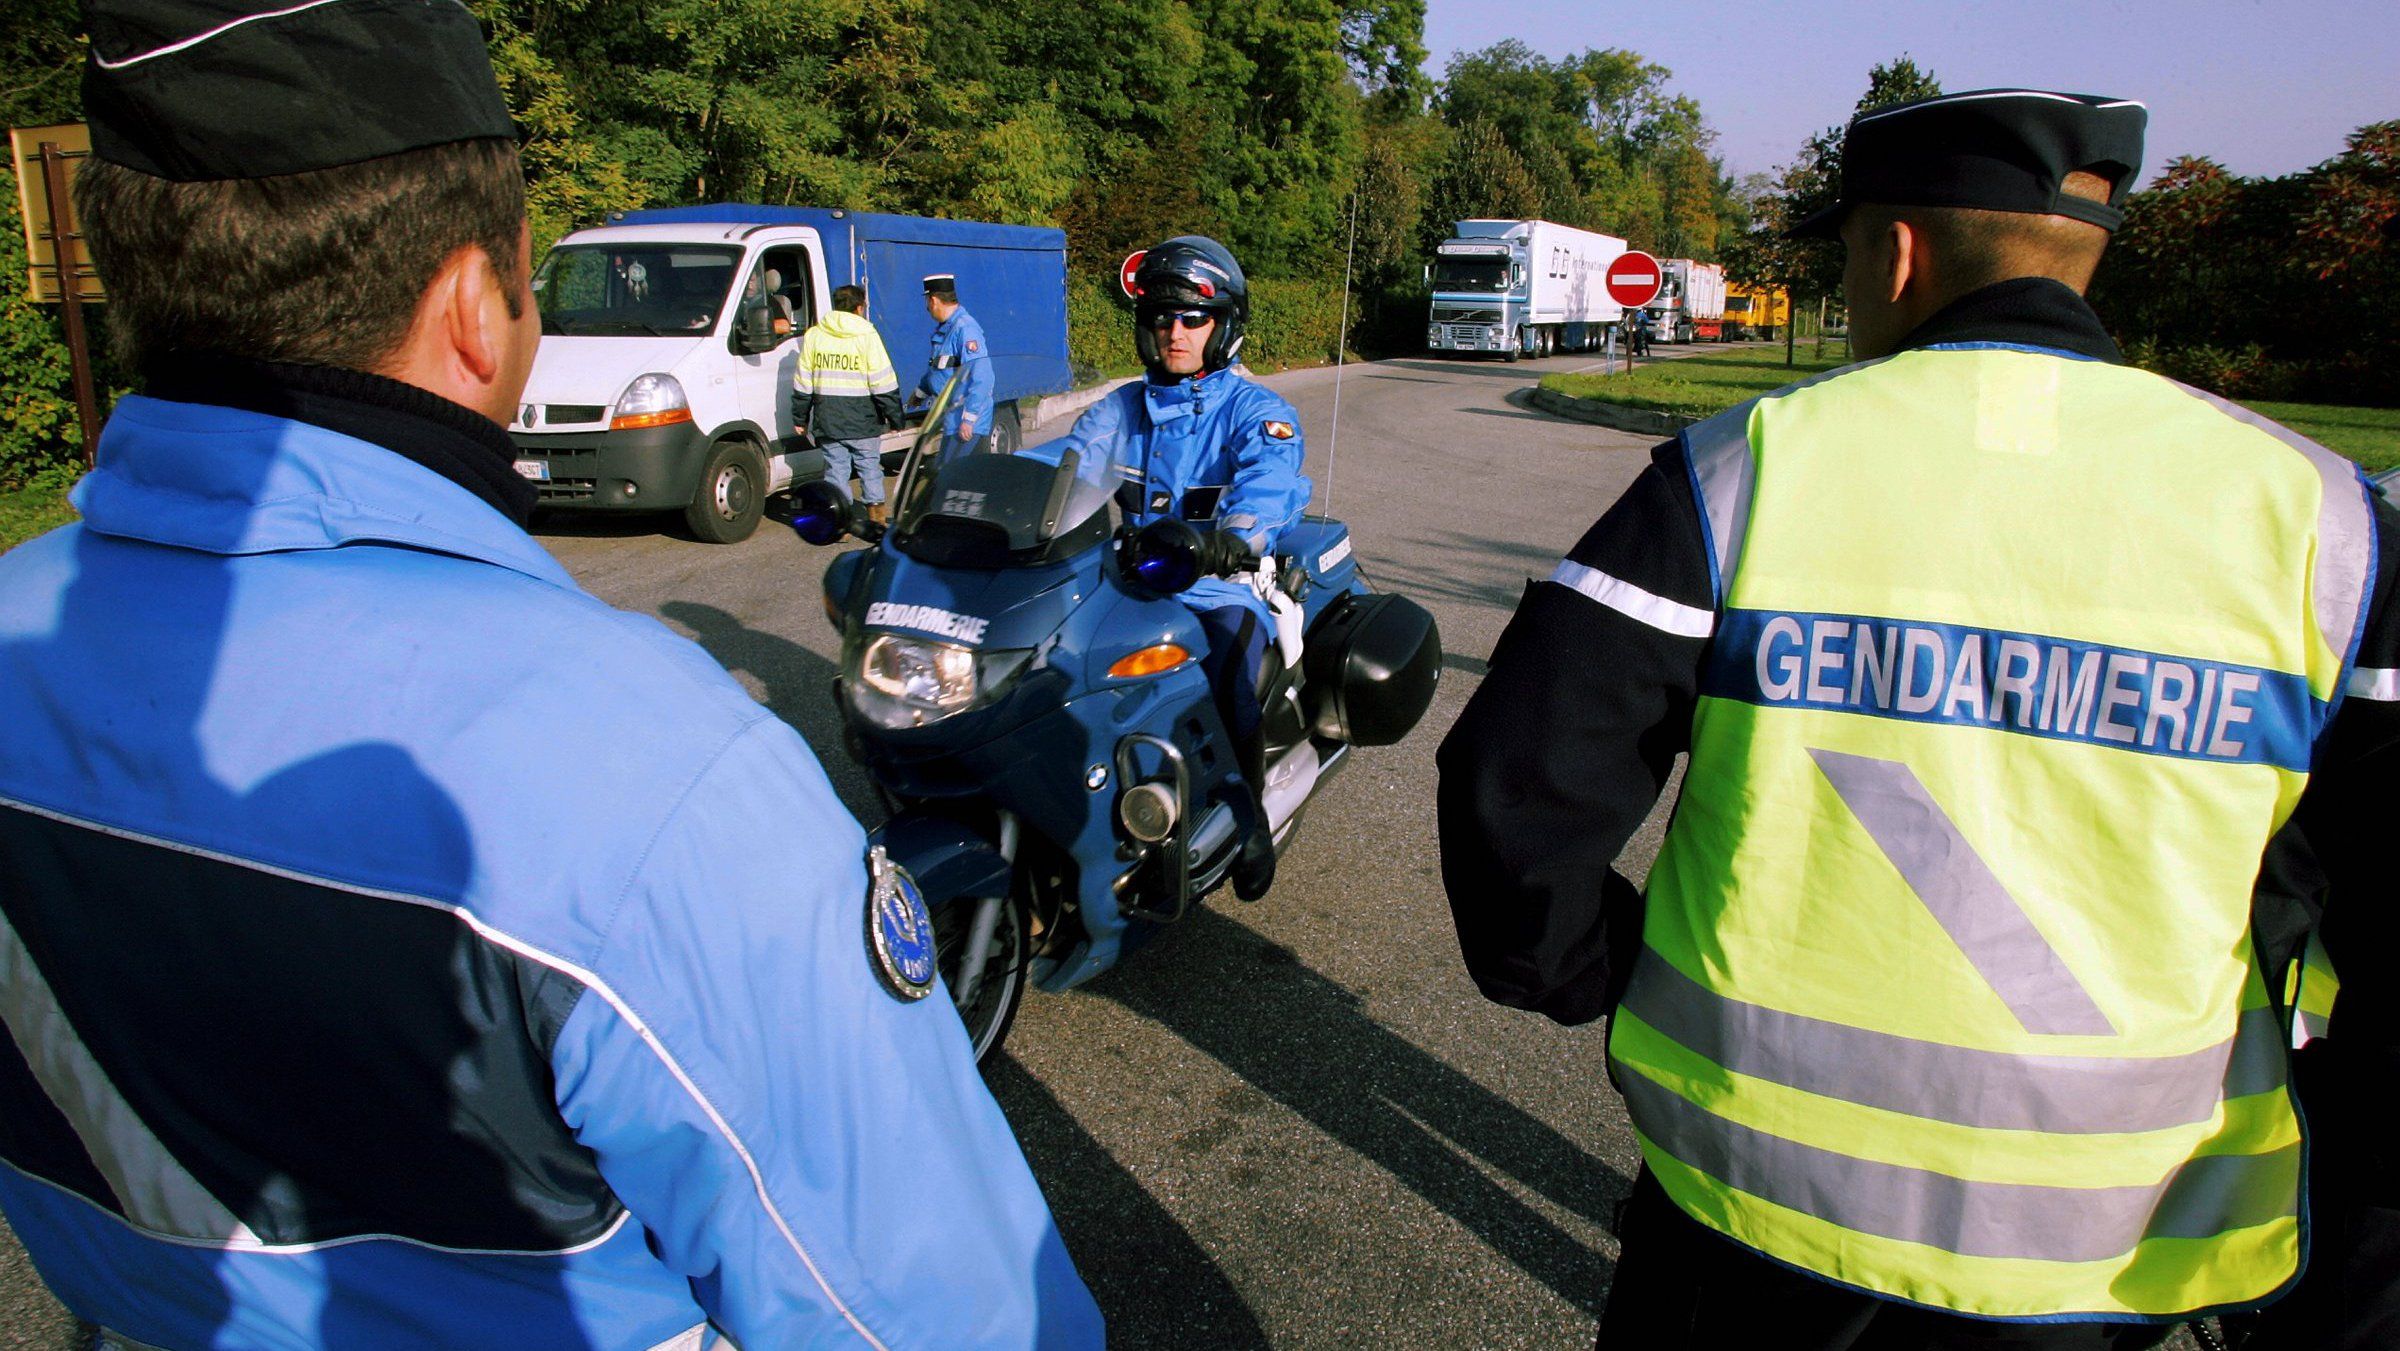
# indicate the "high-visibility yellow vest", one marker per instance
pixel 1947 991
pixel 842 356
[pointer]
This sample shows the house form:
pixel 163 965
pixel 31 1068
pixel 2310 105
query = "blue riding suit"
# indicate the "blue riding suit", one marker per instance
pixel 959 344
pixel 1224 453
pixel 354 1000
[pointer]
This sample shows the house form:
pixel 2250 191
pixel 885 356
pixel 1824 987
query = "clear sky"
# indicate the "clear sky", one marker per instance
pixel 2263 88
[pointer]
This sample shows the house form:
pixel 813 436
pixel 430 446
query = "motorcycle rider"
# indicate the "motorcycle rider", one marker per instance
pixel 1200 440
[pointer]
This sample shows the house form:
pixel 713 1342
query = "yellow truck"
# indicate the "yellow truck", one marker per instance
pixel 1756 311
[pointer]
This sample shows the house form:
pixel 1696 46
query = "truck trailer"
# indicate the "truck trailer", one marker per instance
pixel 664 377
pixel 1520 288
pixel 1756 311
pixel 1690 304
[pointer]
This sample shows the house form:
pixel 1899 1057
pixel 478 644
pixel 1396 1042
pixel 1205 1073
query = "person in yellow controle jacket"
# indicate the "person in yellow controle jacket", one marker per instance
pixel 844 393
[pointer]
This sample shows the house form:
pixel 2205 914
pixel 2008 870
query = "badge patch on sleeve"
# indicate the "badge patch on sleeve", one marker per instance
pixel 899 929
pixel 1281 431
pixel 974 346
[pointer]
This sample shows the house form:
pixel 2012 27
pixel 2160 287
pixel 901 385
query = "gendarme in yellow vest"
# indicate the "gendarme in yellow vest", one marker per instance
pixel 1947 991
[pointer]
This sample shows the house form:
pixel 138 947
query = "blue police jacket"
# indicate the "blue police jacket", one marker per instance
pixel 958 343
pixel 1221 451
pixel 405 948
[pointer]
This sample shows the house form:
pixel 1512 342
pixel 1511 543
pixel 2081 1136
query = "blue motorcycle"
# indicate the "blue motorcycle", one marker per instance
pixel 1026 692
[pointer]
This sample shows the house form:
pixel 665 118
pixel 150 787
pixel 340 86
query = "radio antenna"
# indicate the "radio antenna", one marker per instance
pixel 1341 344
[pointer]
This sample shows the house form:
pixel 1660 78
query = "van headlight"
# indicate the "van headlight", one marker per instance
pixel 654 400
pixel 898 682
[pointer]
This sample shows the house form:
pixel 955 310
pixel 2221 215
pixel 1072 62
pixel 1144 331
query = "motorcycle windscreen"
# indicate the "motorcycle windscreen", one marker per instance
pixel 1031 508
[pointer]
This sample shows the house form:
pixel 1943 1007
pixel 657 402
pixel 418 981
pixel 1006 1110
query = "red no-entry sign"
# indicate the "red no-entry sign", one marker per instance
pixel 1632 280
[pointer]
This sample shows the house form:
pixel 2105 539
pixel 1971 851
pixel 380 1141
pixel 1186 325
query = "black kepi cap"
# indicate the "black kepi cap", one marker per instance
pixel 225 89
pixel 1991 149
pixel 943 284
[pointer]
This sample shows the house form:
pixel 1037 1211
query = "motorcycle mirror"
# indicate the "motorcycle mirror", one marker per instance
pixel 820 512
pixel 1162 558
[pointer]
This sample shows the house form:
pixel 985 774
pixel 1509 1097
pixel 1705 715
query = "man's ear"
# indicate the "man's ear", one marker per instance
pixel 1901 263
pixel 473 313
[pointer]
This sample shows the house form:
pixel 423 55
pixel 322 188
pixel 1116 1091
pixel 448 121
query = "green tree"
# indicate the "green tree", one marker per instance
pixel 569 179
pixel 1483 178
pixel 41 55
pixel 1811 182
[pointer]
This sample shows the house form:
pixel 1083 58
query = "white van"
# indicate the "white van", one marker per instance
pixel 669 339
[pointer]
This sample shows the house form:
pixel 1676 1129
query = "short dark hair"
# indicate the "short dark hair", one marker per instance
pixel 1983 247
pixel 851 298
pixel 322 268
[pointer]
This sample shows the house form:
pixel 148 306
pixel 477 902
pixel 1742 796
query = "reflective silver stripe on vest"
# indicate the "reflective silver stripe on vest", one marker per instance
pixel 2203 1198
pixel 2058 1095
pixel 156 1192
pixel 1724 475
pixel 2345 565
pixel 1971 904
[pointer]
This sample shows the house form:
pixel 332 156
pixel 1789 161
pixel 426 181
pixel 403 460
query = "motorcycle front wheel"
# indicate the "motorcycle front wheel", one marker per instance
pixel 987 999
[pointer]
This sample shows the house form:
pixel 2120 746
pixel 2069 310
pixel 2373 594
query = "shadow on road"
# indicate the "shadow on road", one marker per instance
pixel 606 524
pixel 1303 1041
pixel 1155 1284
pixel 1420 582
pixel 1505 370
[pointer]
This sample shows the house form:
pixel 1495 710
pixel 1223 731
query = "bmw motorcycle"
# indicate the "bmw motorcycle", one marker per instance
pixel 1021 684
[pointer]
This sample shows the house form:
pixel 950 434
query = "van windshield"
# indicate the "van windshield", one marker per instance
pixel 1470 274
pixel 638 290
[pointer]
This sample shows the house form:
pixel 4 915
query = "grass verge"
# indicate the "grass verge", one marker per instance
pixel 36 509
pixel 1701 385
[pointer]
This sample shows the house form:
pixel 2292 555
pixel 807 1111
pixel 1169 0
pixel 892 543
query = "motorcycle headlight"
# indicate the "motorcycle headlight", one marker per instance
pixel 900 682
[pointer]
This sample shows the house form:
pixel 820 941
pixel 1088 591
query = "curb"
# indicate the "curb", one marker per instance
pixel 1074 401
pixel 1043 411
pixel 1645 421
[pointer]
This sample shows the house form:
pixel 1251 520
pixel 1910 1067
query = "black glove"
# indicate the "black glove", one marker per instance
pixel 1222 553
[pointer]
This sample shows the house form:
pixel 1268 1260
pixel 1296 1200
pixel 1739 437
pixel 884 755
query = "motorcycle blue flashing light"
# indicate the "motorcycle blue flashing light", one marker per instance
pixel 1162 558
pixel 820 513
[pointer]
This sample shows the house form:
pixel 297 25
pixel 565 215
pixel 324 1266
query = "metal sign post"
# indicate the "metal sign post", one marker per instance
pixel 1632 281
pixel 65 241
pixel 56 269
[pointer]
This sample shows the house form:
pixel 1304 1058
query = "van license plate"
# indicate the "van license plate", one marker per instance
pixel 537 470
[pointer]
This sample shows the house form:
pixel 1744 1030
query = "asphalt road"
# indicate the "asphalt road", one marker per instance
pixel 1293 1123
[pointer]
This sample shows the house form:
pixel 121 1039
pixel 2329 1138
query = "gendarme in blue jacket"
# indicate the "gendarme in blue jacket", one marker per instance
pixel 958 343
pixel 404 948
pixel 1221 451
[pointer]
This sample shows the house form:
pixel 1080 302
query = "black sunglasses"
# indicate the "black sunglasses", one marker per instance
pixel 1164 318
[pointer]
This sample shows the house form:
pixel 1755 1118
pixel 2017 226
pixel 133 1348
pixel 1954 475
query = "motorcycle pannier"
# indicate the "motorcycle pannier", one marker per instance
pixel 1371 662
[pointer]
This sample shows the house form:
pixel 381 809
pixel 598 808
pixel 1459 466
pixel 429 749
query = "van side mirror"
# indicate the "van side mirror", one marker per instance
pixel 754 330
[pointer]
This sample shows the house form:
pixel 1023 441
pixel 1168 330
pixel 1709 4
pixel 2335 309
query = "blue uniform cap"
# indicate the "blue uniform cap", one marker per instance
pixel 195 90
pixel 1990 149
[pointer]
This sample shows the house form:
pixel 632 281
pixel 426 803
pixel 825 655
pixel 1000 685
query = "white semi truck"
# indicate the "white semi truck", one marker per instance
pixel 1690 304
pixel 1521 288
